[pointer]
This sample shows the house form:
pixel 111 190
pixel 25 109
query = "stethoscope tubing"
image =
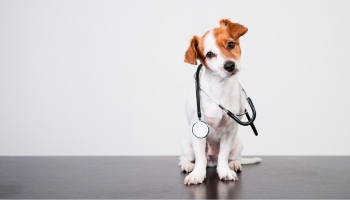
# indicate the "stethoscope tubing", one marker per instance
pixel 252 124
pixel 250 121
pixel 199 114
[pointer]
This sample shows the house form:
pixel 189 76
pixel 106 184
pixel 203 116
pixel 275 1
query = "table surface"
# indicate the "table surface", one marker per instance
pixel 159 177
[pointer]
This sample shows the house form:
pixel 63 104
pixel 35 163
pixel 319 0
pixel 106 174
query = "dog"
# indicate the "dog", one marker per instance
pixel 219 51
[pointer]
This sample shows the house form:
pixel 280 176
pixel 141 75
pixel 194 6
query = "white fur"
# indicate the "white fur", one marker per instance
pixel 224 88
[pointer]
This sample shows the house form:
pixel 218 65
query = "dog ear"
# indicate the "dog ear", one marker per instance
pixel 191 54
pixel 236 30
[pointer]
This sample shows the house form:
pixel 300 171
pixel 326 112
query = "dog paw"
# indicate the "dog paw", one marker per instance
pixel 227 174
pixel 187 167
pixel 235 165
pixel 195 177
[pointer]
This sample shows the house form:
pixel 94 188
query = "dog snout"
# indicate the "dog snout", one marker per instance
pixel 229 66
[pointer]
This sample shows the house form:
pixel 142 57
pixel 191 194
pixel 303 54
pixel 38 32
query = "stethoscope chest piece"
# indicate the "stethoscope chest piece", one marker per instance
pixel 200 129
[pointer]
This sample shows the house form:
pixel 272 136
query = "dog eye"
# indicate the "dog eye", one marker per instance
pixel 210 54
pixel 231 45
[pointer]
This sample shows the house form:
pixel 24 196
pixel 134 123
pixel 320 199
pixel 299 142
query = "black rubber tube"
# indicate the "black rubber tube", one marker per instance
pixel 252 124
pixel 250 121
pixel 197 92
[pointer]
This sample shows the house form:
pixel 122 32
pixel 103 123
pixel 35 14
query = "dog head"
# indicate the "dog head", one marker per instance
pixel 218 49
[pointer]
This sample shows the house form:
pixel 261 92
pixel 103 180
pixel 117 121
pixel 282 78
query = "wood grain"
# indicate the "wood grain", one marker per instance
pixel 159 177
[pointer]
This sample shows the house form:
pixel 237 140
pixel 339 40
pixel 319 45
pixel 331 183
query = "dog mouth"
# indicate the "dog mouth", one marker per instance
pixel 232 73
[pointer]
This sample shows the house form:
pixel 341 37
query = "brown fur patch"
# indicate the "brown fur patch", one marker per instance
pixel 227 32
pixel 235 30
pixel 222 38
pixel 191 54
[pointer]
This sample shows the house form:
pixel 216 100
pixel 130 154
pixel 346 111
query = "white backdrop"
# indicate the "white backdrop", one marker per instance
pixel 108 77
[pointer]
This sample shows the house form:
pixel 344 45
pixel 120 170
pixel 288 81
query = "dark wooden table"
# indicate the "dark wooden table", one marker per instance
pixel 159 177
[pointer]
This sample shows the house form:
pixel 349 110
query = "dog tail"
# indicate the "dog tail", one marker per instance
pixel 246 161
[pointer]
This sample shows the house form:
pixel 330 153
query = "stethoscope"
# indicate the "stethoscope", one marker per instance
pixel 200 129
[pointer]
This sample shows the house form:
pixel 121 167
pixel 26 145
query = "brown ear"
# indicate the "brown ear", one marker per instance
pixel 191 54
pixel 236 30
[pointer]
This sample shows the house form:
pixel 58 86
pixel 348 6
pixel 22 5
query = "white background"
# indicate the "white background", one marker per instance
pixel 108 77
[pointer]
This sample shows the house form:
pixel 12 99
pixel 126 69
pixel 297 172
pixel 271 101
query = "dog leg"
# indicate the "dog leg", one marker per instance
pixel 235 155
pixel 187 156
pixel 226 142
pixel 199 171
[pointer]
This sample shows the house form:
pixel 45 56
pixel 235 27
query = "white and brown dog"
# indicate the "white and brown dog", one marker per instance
pixel 219 51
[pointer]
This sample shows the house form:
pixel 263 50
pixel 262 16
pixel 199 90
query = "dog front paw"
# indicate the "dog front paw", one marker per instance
pixel 195 177
pixel 227 174
pixel 187 167
pixel 235 165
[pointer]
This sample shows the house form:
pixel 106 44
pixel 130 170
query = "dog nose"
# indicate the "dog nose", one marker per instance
pixel 229 66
